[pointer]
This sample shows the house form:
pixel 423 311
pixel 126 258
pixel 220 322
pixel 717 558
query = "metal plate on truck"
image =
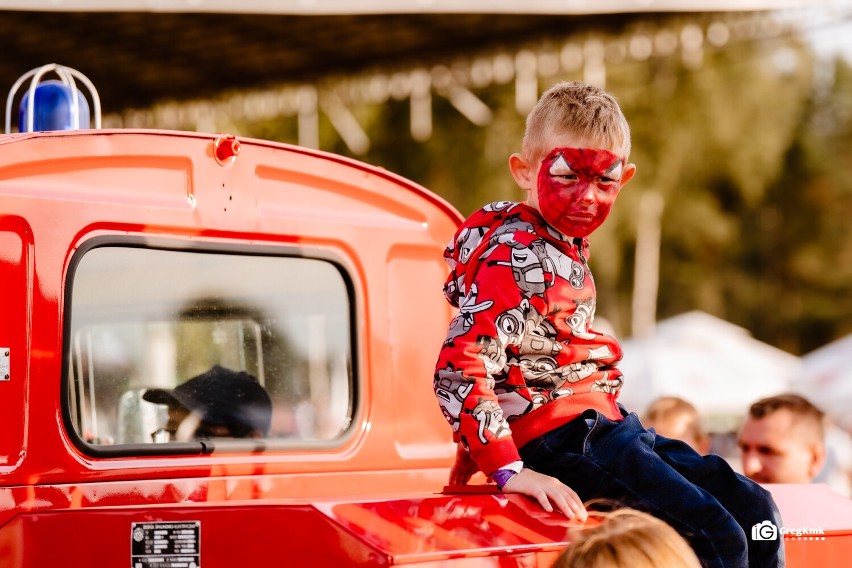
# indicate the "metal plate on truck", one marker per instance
pixel 166 545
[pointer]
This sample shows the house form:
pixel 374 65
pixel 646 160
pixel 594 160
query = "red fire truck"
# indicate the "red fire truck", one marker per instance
pixel 132 261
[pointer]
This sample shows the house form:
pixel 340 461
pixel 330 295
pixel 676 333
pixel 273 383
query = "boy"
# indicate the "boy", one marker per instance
pixel 530 388
pixel 674 417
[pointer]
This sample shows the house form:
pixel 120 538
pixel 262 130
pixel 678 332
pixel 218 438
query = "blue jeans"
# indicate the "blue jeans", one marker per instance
pixel 706 501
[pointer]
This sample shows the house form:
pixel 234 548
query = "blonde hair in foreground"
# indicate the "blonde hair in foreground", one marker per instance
pixel 579 110
pixel 627 538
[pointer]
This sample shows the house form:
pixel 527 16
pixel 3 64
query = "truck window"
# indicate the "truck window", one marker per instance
pixel 168 345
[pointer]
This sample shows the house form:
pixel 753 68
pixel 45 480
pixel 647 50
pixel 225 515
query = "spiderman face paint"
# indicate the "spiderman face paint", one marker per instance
pixel 577 188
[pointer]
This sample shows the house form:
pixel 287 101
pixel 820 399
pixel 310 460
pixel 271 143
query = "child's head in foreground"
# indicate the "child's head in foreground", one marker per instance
pixel 574 157
pixel 627 538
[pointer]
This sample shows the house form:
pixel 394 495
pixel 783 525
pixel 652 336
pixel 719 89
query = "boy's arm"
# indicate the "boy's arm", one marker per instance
pixel 464 381
pixel 473 357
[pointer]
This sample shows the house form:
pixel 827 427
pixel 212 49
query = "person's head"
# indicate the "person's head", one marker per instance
pixel 627 538
pixel 782 440
pixel 574 157
pixel 673 417
pixel 218 403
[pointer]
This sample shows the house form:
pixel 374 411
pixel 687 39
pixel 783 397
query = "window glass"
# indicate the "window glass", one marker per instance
pixel 174 345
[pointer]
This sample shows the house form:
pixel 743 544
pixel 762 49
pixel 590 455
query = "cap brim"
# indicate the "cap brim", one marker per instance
pixel 161 396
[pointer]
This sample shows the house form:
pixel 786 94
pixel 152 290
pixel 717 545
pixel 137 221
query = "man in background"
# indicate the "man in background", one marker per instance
pixel 783 440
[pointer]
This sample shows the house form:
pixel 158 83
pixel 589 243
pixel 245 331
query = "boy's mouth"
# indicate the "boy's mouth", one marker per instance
pixel 583 215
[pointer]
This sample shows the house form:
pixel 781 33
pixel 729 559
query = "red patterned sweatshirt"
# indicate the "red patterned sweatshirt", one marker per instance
pixel 521 357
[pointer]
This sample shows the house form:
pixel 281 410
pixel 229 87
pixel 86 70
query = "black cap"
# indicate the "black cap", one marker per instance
pixel 221 396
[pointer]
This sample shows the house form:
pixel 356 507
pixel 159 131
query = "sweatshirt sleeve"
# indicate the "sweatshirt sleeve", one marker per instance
pixel 492 314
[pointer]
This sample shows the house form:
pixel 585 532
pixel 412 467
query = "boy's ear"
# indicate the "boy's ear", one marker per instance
pixel 522 172
pixel 627 173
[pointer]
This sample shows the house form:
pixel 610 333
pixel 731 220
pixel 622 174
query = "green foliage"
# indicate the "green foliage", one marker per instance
pixel 750 152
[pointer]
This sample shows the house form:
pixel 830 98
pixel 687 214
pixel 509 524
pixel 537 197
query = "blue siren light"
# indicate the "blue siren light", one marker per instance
pixel 54 108
pixel 55 104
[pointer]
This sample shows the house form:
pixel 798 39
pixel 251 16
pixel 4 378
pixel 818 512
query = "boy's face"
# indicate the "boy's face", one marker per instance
pixel 574 188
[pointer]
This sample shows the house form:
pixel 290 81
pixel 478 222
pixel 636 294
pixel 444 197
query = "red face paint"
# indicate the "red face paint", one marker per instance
pixel 577 188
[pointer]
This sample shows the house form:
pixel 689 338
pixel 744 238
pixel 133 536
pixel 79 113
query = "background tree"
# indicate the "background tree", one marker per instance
pixel 746 147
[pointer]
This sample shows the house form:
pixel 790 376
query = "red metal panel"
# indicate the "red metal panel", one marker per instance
pixel 16 283
pixel 229 536
pixel 448 527
pixel 479 530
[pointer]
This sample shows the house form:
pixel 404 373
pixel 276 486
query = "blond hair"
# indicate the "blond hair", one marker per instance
pixel 672 407
pixel 580 110
pixel 627 538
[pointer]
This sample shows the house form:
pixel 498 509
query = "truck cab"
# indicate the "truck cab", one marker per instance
pixel 133 262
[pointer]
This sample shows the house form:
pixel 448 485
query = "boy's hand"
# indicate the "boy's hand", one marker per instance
pixel 549 492
pixel 463 468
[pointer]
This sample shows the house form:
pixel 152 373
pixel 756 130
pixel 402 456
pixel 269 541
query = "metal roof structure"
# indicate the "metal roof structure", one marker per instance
pixel 142 52
pixel 141 58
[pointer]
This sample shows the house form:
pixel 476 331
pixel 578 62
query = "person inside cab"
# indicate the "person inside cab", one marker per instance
pixel 219 403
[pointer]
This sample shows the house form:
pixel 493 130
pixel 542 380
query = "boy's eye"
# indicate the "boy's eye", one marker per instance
pixel 566 177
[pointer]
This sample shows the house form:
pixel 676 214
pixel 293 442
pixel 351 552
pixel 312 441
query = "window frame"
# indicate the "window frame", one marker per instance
pixel 209 447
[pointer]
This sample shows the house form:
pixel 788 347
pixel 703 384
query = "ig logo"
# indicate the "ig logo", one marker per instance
pixel 764 531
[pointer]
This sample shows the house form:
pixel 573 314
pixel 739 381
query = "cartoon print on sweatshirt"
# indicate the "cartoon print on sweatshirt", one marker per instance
pixel 532 269
pixel 515 324
pixel 462 323
pixel 540 340
pixel 500 206
pixel 512 224
pixel 541 370
pixel 451 389
pixel 468 240
pixel 607 385
pixel 458 252
pixel 582 317
pixel 576 372
pixel 516 403
pixel 491 354
pixel 489 415
pixel 565 267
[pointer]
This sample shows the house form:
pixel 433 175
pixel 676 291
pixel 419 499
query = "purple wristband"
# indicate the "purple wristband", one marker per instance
pixel 502 476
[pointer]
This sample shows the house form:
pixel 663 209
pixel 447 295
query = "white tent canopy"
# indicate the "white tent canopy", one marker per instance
pixel 717 366
pixel 826 379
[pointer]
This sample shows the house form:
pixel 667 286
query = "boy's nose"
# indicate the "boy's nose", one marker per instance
pixel 586 193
